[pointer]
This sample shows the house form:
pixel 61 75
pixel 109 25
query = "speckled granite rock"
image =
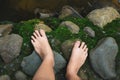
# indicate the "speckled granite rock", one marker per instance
pixel 10 47
pixel 101 17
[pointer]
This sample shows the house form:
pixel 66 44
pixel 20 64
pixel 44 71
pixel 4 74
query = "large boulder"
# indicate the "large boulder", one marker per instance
pixel 31 63
pixel 5 29
pixel 10 47
pixel 71 26
pixel 102 58
pixel 101 17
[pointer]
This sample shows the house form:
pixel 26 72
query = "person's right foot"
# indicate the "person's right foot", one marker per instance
pixel 78 57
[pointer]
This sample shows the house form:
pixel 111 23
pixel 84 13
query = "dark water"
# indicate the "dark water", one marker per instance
pixel 17 10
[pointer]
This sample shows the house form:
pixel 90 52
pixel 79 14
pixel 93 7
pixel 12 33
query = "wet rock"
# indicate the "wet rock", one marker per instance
pixel 69 11
pixel 4 77
pixel 32 62
pixel 101 17
pixel 71 26
pixel 89 31
pixel 20 76
pixel 10 47
pixel 103 56
pixel 5 29
pixel 41 25
pixel 67 47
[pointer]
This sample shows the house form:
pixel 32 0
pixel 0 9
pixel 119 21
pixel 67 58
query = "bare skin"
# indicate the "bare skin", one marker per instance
pixel 45 71
pixel 77 59
pixel 42 47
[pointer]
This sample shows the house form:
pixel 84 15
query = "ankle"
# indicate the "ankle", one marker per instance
pixel 69 75
pixel 49 60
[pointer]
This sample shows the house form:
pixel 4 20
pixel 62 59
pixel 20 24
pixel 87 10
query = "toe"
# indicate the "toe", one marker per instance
pixel 33 38
pixel 77 44
pixel 33 42
pixel 37 33
pixel 82 45
pixel 42 32
pixel 86 51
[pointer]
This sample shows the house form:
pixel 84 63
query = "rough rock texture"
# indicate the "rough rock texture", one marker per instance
pixel 41 25
pixel 101 17
pixel 5 29
pixel 103 56
pixel 20 76
pixel 32 62
pixel 67 47
pixel 10 47
pixel 69 11
pixel 4 77
pixel 71 26
pixel 89 31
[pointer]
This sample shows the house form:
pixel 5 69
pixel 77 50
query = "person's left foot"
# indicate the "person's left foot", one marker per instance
pixel 41 45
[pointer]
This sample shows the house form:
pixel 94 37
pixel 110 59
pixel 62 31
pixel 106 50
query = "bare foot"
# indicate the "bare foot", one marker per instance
pixel 78 57
pixel 41 45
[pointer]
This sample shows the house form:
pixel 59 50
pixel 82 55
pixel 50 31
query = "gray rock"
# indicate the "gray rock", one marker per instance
pixel 20 76
pixel 103 56
pixel 4 77
pixel 71 26
pixel 67 48
pixel 5 29
pixel 32 62
pixel 89 31
pixel 43 26
pixel 101 17
pixel 69 11
pixel 10 47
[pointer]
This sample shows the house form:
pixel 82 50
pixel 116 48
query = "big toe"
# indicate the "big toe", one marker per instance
pixel 42 32
pixel 77 44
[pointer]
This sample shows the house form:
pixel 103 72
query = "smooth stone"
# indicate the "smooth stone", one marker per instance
pixel 69 11
pixel 5 29
pixel 31 63
pixel 89 31
pixel 43 26
pixel 103 56
pixel 66 48
pixel 71 26
pixel 10 47
pixel 103 16
pixel 20 76
pixel 4 77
